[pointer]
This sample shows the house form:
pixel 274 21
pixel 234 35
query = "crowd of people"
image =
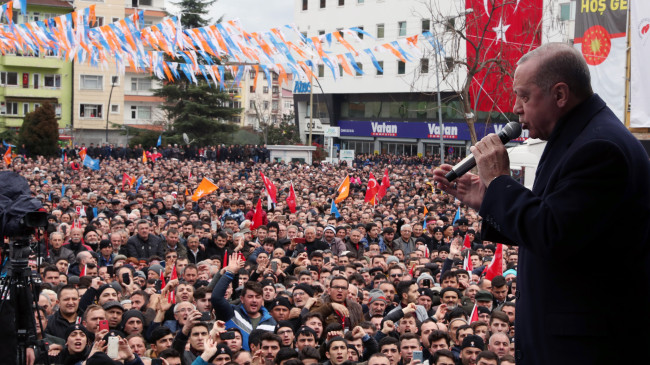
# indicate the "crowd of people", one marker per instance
pixel 146 275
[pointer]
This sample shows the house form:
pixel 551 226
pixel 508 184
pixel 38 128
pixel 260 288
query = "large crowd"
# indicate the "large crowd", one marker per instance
pixel 143 274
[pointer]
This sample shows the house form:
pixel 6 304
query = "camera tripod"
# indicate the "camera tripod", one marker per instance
pixel 19 293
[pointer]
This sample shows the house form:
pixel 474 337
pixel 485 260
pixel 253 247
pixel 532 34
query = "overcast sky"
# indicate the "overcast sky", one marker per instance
pixel 255 15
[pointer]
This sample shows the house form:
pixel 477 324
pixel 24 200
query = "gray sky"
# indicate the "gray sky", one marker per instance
pixel 255 15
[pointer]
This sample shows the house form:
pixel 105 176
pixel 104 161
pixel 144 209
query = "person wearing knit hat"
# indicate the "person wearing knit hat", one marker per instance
pixel 106 255
pixel 133 322
pixel 284 329
pixel 301 294
pixel 423 277
pixel 376 303
pixel 471 346
pixel 105 293
pixel 77 345
pixel 154 272
pixel 279 308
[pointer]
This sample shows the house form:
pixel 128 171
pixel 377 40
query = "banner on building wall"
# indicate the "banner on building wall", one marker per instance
pixel 640 87
pixel 420 130
pixel 499 32
pixel 600 34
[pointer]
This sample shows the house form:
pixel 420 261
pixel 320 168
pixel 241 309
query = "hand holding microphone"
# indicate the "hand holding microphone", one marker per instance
pixel 492 160
pixel 510 131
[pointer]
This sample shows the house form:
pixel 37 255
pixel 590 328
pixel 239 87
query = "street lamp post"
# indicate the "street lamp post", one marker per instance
pixel 108 110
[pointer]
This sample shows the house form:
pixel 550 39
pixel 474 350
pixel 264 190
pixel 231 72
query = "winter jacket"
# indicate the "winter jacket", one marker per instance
pixel 236 315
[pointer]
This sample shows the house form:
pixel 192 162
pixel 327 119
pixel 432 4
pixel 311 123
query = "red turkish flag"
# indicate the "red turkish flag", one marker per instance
pixel 372 189
pixel 268 184
pixel 502 30
pixel 258 217
pixel 496 266
pixel 291 200
pixel 383 188
pixel 474 316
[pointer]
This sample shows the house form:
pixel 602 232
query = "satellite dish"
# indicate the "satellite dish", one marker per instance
pixel 186 138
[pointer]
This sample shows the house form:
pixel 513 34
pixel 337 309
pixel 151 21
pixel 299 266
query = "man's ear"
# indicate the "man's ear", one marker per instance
pixel 560 92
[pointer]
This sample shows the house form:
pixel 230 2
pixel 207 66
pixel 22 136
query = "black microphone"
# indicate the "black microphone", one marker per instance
pixel 510 131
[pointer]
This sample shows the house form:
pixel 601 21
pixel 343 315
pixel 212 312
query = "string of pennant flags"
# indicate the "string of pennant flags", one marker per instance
pixel 73 36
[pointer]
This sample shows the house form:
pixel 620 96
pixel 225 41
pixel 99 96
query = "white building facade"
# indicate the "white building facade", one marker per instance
pixel 395 110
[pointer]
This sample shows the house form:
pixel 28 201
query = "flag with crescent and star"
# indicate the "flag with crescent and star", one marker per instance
pixel 498 33
pixel 601 37
pixel 371 191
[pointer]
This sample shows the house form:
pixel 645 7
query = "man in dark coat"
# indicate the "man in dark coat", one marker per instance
pixel 143 244
pixel 591 171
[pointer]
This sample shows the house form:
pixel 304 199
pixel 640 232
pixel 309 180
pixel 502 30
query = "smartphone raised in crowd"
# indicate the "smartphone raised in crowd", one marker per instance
pixel 274 266
pixel 126 279
pixel 230 335
pixel 113 347
pixel 103 325
pixel 417 355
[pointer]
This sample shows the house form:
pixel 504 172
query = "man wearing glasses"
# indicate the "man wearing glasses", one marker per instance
pixel 337 307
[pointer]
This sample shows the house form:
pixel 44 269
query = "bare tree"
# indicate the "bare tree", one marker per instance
pixel 459 58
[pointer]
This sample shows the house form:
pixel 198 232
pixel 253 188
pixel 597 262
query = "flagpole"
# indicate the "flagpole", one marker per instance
pixel 628 71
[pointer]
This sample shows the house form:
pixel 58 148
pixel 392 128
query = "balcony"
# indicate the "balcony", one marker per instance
pixel 31 93
pixel 28 61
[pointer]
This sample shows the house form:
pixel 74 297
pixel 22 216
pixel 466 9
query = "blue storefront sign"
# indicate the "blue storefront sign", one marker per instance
pixel 421 130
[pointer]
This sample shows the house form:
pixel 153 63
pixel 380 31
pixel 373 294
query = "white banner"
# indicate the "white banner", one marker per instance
pixel 640 77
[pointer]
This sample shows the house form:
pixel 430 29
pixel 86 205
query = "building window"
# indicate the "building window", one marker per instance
pixel 274 105
pixel 305 4
pixel 92 82
pixel 359 71
pixel 115 108
pixel 322 4
pixel 251 104
pixel 449 63
pixel 140 112
pixel 276 89
pixel 401 26
pixel 321 32
pixel 381 65
pixel 140 84
pixel 340 71
pixel 99 22
pixel 25 108
pixel 360 1
pixel 53 81
pixel 426 25
pixel 401 68
pixel 450 24
pixel 265 89
pixel 341 2
pixel 568 11
pixel 37 80
pixel 12 108
pixel 9 78
pixel 90 111
pixel 114 20
pixel 424 65
pixel 360 34
pixel 252 88
pixel 321 70
pixel 266 105
pixel 380 31
pixel 57 110
pixel 36 106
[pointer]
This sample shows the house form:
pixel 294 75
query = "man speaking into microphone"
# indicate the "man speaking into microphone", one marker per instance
pixel 590 198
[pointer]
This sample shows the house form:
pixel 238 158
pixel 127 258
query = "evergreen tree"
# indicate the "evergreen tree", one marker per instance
pixel 40 132
pixel 201 110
